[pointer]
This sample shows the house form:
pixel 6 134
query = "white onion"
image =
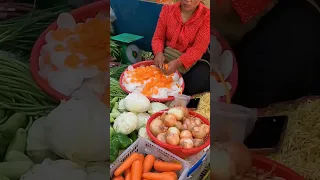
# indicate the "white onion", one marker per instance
pixel 185 134
pixel 177 112
pixel 157 127
pixel 173 130
pixel 186 143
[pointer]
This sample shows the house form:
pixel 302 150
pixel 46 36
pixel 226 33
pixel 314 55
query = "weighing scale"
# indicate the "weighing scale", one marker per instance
pixel 130 53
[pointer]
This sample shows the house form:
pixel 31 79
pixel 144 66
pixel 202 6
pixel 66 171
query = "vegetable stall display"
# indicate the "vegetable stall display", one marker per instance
pixel 128 118
pixel 138 166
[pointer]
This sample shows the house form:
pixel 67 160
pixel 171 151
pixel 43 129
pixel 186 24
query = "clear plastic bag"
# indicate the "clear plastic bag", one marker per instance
pixel 180 100
pixel 230 122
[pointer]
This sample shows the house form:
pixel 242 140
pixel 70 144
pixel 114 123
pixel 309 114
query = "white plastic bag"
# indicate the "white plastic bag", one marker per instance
pixel 231 122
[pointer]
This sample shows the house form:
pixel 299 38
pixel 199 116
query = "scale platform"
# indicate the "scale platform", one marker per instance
pixel 130 53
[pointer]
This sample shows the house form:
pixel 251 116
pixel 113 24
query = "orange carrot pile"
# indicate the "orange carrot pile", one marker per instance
pixel 152 77
pixel 140 167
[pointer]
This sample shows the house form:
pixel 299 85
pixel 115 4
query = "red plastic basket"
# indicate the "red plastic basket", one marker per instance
pixel 277 169
pixel 148 63
pixel 233 78
pixel 178 150
pixel 79 15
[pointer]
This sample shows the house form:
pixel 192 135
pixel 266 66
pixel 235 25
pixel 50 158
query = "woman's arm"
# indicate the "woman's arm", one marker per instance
pixel 159 36
pixel 200 45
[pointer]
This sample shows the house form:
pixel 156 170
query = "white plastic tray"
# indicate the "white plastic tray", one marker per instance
pixel 145 146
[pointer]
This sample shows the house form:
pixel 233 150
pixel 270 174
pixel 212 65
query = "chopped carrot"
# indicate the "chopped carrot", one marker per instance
pixel 126 164
pixel 72 61
pixel 173 174
pixel 157 176
pixel 59 48
pixel 162 166
pixel 118 178
pixel 166 66
pixel 148 163
pixel 136 170
pixel 151 77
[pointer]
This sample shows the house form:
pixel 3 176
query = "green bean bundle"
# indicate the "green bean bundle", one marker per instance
pixel 18 91
pixel 115 89
pixel 17 35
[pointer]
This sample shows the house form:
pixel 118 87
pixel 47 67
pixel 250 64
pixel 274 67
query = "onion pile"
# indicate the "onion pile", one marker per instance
pixel 233 161
pixel 177 127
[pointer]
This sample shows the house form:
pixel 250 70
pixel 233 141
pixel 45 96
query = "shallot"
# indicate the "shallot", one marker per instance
pixel 240 154
pixel 229 159
pixel 157 127
pixel 197 142
pixel 185 134
pixel 177 112
pixel 199 132
pixel 205 128
pixel 163 115
pixel 184 110
pixel 173 139
pixel 198 121
pixel 162 137
pixel 169 120
pixel 222 167
pixel 180 126
pixel 190 123
pixel 186 143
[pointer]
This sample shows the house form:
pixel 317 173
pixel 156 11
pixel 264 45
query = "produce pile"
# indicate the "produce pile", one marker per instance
pixel 177 127
pixel 128 118
pixel 75 54
pixel 139 166
pixel 151 82
pixel 229 165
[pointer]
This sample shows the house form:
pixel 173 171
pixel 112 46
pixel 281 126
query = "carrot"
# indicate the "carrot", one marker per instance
pixel 118 178
pixel 166 66
pixel 148 163
pixel 126 164
pixel 127 174
pixel 141 158
pixel 161 166
pixel 157 176
pixel 136 170
pixel 173 174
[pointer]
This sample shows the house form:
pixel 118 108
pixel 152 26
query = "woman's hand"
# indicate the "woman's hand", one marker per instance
pixel 159 60
pixel 173 66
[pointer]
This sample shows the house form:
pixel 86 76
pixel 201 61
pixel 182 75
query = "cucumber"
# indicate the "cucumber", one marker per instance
pixel 14 170
pixel 14 156
pixel 19 141
pixel 17 120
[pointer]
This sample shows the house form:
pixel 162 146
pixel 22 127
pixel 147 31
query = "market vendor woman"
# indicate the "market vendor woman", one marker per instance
pixel 181 40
